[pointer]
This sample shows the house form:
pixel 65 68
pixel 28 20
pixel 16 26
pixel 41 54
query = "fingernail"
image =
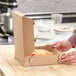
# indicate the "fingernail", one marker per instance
pixel 63 60
pixel 63 56
pixel 54 46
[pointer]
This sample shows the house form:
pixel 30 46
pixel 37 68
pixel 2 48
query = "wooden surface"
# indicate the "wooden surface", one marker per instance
pixel 11 67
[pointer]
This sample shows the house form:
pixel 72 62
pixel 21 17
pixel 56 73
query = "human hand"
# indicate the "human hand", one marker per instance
pixel 68 58
pixel 62 45
pixel 74 31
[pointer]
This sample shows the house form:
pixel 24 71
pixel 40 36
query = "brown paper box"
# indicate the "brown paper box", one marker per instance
pixel 2 73
pixel 24 43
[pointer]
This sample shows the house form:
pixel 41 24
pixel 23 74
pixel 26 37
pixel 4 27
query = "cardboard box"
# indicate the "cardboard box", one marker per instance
pixel 24 43
pixel 2 73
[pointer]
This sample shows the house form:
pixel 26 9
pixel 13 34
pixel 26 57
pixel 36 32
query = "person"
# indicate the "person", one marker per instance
pixel 65 45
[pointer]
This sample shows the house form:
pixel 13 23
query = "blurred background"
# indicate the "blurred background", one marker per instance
pixel 46 6
pixel 55 13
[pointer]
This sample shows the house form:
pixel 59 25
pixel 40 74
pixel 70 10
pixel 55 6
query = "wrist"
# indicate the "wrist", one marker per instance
pixel 70 44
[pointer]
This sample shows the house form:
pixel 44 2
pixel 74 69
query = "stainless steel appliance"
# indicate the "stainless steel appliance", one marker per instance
pixel 6 6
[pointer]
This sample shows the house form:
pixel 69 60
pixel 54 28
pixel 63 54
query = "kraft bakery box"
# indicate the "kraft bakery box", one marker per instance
pixel 25 51
pixel 2 73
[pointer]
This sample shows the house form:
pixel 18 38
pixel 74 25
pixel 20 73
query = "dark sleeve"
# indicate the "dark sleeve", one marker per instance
pixel 72 39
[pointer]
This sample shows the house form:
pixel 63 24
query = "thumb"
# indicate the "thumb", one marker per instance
pixel 58 44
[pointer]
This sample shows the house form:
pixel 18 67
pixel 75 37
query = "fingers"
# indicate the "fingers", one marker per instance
pixel 69 58
pixel 57 44
pixel 67 55
pixel 54 44
pixel 72 61
pixel 60 45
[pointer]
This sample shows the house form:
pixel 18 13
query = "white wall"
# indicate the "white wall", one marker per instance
pixel 46 5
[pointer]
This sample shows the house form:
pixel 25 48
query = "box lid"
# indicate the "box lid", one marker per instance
pixel 24 34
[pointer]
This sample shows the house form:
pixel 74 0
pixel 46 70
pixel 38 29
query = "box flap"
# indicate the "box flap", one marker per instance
pixel 28 35
pixel 46 47
pixel 23 34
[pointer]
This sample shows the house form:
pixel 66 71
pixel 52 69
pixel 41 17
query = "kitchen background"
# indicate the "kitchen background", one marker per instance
pixel 65 7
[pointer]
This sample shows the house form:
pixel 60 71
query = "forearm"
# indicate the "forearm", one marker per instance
pixel 72 40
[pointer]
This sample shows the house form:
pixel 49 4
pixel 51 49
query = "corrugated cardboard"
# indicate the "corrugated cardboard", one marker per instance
pixel 24 43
